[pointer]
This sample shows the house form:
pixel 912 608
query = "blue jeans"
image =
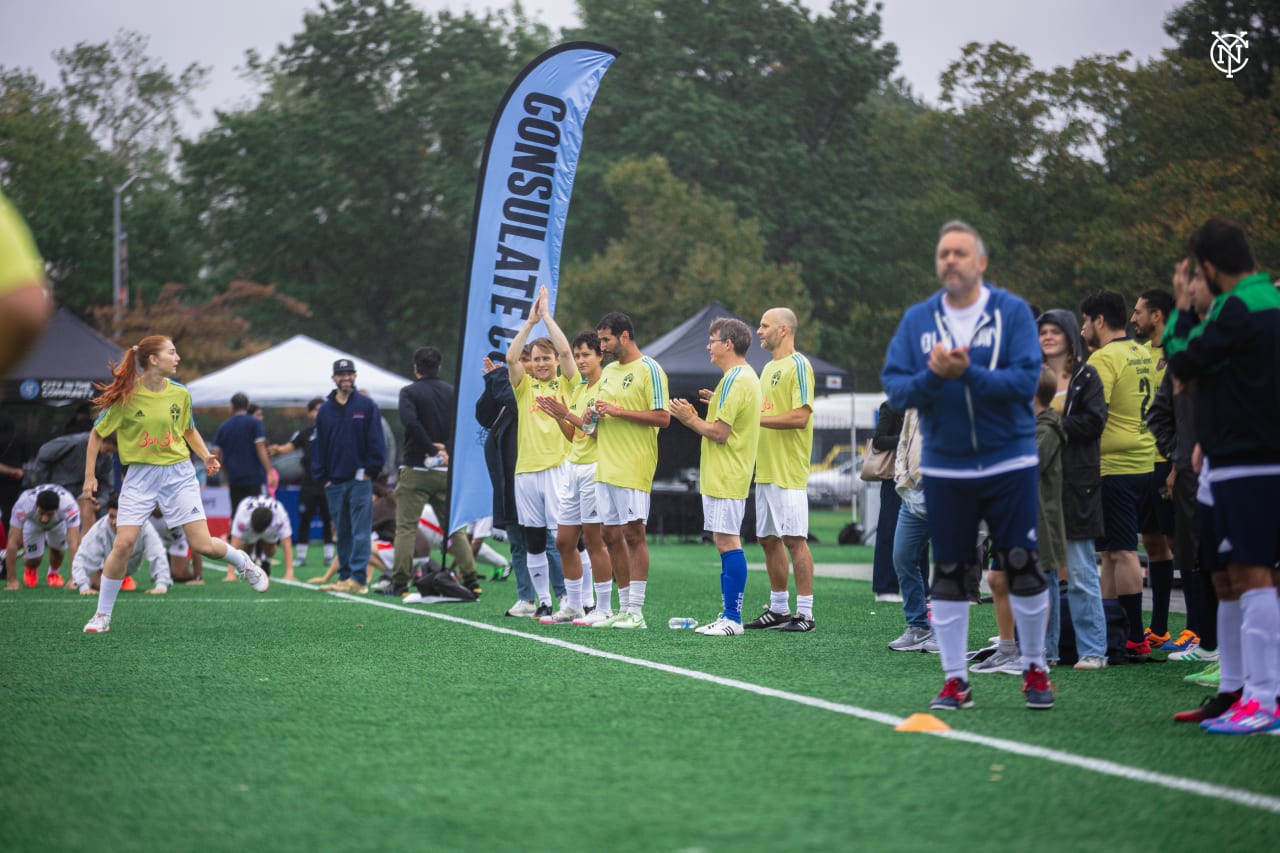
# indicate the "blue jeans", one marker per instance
pixel 351 507
pixel 910 554
pixel 1084 597
pixel 520 565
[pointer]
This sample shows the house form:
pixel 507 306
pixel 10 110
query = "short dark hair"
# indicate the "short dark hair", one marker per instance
pixel 239 401
pixel 253 409
pixel 315 403
pixel 617 323
pixel 1159 300
pixel 47 499
pixel 426 360
pixel 1223 244
pixel 260 518
pixel 734 331
pixel 1106 304
pixel 114 503
pixel 1048 387
pixel 588 337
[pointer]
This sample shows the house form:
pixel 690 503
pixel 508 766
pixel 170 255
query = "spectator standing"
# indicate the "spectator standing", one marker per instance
pixel 911 541
pixel 884 580
pixel 1051 534
pixel 241 446
pixel 61 462
pixel 311 500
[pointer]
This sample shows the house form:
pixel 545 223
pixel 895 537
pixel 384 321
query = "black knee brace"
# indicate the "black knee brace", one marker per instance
pixel 1022 571
pixel 948 581
pixel 535 539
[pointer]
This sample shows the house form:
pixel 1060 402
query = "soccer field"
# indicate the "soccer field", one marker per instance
pixel 215 719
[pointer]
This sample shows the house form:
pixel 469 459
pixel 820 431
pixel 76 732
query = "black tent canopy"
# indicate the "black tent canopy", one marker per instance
pixel 62 367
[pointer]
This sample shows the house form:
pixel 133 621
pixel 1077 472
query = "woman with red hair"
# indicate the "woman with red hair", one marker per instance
pixel 156 434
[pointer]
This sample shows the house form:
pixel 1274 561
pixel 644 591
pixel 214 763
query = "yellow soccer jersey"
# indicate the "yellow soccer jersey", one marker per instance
pixel 782 457
pixel 539 443
pixel 19 261
pixel 1128 376
pixel 585 449
pixel 725 470
pixel 628 452
pixel 150 427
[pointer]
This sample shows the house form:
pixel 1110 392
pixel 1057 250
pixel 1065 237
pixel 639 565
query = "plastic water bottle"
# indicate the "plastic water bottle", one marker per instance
pixel 433 461
pixel 589 418
pixel 678 622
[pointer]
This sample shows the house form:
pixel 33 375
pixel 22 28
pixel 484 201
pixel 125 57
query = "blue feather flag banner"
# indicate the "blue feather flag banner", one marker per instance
pixel 517 230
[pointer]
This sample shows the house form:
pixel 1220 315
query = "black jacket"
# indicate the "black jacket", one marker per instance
pixel 1084 417
pixel 888 428
pixel 426 410
pixel 1172 420
pixel 496 411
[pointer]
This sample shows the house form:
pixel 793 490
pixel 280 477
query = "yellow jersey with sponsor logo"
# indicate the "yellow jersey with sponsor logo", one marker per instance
pixel 585 450
pixel 725 469
pixel 1128 375
pixel 150 426
pixel 782 458
pixel 539 443
pixel 628 452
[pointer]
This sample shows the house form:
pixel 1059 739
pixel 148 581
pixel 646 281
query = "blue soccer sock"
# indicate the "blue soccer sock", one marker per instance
pixel 733 583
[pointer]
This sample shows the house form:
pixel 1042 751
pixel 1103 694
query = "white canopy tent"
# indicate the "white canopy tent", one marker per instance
pixel 292 373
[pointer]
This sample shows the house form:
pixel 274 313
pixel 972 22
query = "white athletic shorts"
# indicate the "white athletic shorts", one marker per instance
pixel 174 539
pixel 482 528
pixel 781 512
pixel 723 515
pixel 538 498
pixel 578 503
pixel 171 487
pixel 35 537
pixel 618 506
pixel 270 536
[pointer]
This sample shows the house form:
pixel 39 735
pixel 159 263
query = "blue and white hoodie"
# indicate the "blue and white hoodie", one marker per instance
pixel 983 423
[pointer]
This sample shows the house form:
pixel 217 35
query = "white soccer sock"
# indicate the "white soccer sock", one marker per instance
pixel 951 629
pixel 487 555
pixel 540 575
pixel 804 606
pixel 237 558
pixel 300 554
pixel 1031 615
pixel 624 598
pixel 635 603
pixel 573 592
pixel 778 602
pixel 1260 623
pixel 107 593
pixel 604 596
pixel 587 577
pixel 1230 657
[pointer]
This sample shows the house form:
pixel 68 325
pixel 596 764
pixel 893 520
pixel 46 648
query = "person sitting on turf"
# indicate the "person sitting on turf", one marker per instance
pixel 184 565
pixel 86 566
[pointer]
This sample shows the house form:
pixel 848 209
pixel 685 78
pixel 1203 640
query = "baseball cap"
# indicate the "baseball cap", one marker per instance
pixel 344 365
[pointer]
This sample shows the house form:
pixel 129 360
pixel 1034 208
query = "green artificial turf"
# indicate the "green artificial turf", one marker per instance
pixel 216 719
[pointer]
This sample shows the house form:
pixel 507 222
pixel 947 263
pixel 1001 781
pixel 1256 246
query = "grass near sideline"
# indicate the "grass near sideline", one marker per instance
pixel 216 719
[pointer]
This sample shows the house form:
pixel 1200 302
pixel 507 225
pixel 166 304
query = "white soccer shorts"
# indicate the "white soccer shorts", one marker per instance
pixel 618 505
pixel 781 512
pixel 538 498
pixel 723 515
pixel 578 503
pixel 171 487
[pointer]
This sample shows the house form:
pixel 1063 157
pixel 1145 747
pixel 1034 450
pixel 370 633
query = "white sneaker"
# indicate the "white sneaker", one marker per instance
pixel 523 609
pixel 255 576
pixel 722 627
pixel 610 621
pixel 99 624
pixel 1010 664
pixel 1194 652
pixel 564 616
pixel 631 621
pixel 593 618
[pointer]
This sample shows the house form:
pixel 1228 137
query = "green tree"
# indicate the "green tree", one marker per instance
pixel 1193 25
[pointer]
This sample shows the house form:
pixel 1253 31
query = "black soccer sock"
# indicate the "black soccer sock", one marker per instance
pixel 1208 611
pixel 1161 573
pixel 1193 595
pixel 1132 605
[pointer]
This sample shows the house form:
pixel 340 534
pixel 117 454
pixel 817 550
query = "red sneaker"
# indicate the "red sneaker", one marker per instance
pixel 1210 708
pixel 128 585
pixel 55 579
pixel 30 577
pixel 1137 650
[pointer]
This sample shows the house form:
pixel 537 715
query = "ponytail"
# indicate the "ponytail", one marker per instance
pixel 125 375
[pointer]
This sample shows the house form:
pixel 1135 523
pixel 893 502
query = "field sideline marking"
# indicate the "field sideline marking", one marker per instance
pixel 1264 802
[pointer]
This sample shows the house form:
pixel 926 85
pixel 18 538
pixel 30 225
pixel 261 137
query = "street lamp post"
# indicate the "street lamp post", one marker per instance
pixel 119 255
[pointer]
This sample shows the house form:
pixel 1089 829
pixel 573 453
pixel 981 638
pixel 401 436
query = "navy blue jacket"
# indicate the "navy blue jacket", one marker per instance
pixel 984 420
pixel 347 438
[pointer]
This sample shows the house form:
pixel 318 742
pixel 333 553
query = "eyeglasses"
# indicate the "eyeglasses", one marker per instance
pixel 718 341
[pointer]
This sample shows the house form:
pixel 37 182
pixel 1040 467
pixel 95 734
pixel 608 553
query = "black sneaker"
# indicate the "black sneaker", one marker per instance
pixel 473 583
pixel 769 619
pixel 798 623
pixel 543 610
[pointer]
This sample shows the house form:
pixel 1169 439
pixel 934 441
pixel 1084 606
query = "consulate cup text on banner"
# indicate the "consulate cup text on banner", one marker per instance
pixel 526 180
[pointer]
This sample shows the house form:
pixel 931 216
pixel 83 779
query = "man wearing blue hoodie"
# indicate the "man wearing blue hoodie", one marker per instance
pixel 348 452
pixel 968 358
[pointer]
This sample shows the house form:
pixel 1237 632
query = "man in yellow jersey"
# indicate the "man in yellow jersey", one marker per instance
pixel 730 435
pixel 579 512
pixel 1155 513
pixel 540 446
pixel 631 406
pixel 24 305
pixel 782 472
pixel 1128 449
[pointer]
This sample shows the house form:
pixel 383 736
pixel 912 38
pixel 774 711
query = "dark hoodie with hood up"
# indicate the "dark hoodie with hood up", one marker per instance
pixel 1083 419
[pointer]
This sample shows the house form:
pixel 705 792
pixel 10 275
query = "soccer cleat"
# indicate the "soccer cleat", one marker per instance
pixel 258 579
pixel 1207 677
pixel 956 693
pixel 630 622
pixel 522 609
pixel 1209 708
pixel 1010 663
pixel 610 621
pixel 500 573
pixel 128 584
pixel 1244 718
pixel 912 640
pixel 1154 640
pixel 1090 662
pixel 798 624
pixel 543 610
pixel 593 618
pixel 1138 652
pixel 564 616
pixel 722 627
pixel 768 619
pixel 55 579
pixel 99 624
pixel 1185 640
pixel 1038 689
pixel 1195 652
pixel 30 577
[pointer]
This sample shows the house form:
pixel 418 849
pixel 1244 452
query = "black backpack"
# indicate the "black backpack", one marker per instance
pixel 433 579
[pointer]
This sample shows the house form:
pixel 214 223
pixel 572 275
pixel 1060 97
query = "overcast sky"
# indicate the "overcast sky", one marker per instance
pixel 928 33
